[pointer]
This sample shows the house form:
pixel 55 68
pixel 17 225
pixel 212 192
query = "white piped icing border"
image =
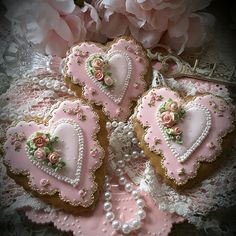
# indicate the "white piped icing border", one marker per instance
pixel 48 170
pixel 115 99
pixel 185 156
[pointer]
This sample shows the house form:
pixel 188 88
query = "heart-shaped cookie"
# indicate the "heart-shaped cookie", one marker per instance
pixel 61 155
pixel 112 76
pixel 178 134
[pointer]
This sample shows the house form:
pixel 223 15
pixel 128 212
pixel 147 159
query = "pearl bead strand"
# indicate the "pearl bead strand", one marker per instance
pixel 119 169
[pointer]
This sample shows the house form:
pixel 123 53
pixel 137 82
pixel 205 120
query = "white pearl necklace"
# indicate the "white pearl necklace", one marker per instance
pixel 135 223
pixel 52 84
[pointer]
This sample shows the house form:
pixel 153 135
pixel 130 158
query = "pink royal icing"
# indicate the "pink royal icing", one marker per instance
pixel 206 120
pixel 56 157
pixel 157 222
pixel 111 78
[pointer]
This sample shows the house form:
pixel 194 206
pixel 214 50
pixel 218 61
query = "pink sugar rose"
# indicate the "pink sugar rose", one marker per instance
pixel 53 157
pixel 177 131
pixel 98 74
pixel 172 106
pixel 168 119
pixel 40 154
pixel 108 81
pixel 97 63
pixel 40 140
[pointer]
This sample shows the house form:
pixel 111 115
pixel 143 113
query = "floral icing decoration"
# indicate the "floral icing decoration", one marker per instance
pixel 94 152
pixel 170 114
pixel 154 98
pixel 99 68
pixel 17 139
pixel 75 111
pixel 40 147
pixel 219 110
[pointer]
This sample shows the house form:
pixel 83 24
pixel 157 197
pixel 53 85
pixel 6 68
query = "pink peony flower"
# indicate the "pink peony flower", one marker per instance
pixel 53 157
pixel 97 63
pixel 168 119
pixel 40 154
pixel 175 23
pixel 98 74
pixel 51 26
pixel 108 81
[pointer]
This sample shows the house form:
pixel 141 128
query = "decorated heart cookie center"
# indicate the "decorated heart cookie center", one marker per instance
pixel 111 73
pixel 184 127
pixel 58 152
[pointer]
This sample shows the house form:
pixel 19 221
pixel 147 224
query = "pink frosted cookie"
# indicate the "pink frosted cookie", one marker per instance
pixel 59 159
pixel 111 76
pixel 183 136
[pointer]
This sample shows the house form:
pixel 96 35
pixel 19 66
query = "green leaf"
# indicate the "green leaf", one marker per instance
pixel 47 150
pixel 91 71
pixel 108 73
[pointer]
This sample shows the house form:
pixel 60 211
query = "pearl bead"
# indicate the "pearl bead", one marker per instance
pixel 135 194
pixel 142 154
pixel 119 172
pixel 35 80
pixel 108 125
pixel 64 89
pixel 107 206
pixel 110 216
pixel 134 140
pixel 121 124
pixel 12 116
pixel 56 86
pixel 114 124
pixel 41 82
pixel 107 186
pixel 49 85
pixel 136 224
pixel 141 214
pixel 126 229
pixel 135 154
pixel 127 157
pixel 121 163
pixel 106 179
pixel 140 203
pixel 130 134
pixel 128 187
pixel 116 224
pixel 126 128
pixel 122 180
pixel 107 195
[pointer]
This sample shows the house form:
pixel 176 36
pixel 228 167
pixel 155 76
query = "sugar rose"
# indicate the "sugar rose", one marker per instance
pixel 40 154
pixel 40 141
pixel 53 157
pixel 97 63
pixel 168 119
pixel 98 74
pixel 172 106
